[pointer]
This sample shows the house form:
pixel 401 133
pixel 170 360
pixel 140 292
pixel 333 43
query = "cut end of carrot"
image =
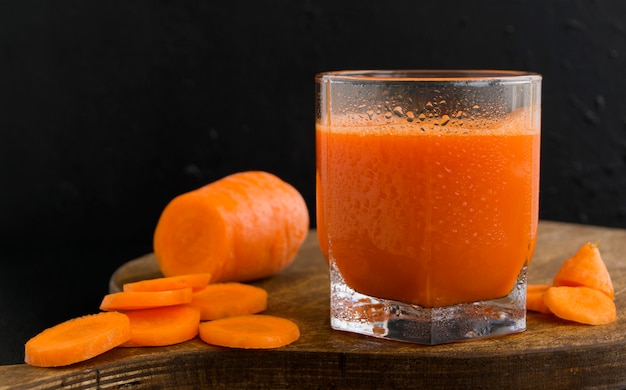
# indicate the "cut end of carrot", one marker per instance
pixel 250 332
pixel 192 235
pixel 77 339
pixel 586 268
pixel 581 304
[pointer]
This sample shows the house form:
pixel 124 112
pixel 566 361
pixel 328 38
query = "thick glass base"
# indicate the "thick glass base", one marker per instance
pixel 358 313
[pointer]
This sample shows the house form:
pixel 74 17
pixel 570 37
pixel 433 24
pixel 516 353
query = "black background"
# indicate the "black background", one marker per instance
pixel 108 109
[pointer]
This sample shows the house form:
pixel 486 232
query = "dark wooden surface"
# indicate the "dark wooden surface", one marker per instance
pixel 552 353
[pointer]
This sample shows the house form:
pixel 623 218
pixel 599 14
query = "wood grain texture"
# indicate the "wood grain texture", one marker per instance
pixel 552 353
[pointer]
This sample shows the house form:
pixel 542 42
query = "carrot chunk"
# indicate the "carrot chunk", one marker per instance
pixel 77 339
pixel 221 300
pixel 586 268
pixel 255 331
pixel 195 281
pixel 162 326
pixel 135 300
pixel 534 298
pixel 581 304
pixel 243 227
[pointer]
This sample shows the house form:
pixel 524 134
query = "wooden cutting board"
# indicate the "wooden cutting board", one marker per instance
pixel 552 353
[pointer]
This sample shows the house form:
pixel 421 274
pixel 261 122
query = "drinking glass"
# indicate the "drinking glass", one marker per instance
pixel 427 200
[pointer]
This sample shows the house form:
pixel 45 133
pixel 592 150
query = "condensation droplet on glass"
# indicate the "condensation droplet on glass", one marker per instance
pixel 442 102
pixel 397 110
pixel 444 120
pixel 388 115
pixel 422 117
pixel 429 104
pixel 410 116
pixel 370 113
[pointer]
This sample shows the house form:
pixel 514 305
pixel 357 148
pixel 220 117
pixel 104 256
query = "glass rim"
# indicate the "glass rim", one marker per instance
pixel 429 75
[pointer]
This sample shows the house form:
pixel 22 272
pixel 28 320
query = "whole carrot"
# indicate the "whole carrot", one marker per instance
pixel 245 226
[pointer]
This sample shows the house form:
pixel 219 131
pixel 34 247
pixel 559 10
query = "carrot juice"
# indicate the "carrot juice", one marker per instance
pixel 427 214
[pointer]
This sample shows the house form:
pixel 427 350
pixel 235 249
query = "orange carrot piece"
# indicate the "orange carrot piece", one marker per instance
pixel 581 304
pixel 195 281
pixel 534 298
pixel 162 326
pixel 586 268
pixel 135 300
pixel 77 339
pixel 255 331
pixel 537 287
pixel 221 300
pixel 243 227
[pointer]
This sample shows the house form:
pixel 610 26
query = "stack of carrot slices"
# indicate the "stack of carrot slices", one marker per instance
pixel 581 291
pixel 165 311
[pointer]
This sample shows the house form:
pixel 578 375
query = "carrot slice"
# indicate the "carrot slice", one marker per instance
pixel 245 226
pixel 77 339
pixel 581 304
pixel 135 300
pixel 162 326
pixel 221 300
pixel 255 331
pixel 537 287
pixel 586 268
pixel 534 298
pixel 195 281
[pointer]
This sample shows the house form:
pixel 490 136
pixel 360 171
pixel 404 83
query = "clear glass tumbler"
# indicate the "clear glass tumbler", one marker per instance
pixel 427 200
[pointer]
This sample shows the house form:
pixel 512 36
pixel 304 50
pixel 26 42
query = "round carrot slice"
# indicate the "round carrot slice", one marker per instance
pixel 195 281
pixel 162 326
pixel 221 300
pixel 77 339
pixel 136 300
pixel 255 331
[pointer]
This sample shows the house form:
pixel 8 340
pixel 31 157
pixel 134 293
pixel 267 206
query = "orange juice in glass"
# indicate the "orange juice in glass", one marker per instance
pixel 427 200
